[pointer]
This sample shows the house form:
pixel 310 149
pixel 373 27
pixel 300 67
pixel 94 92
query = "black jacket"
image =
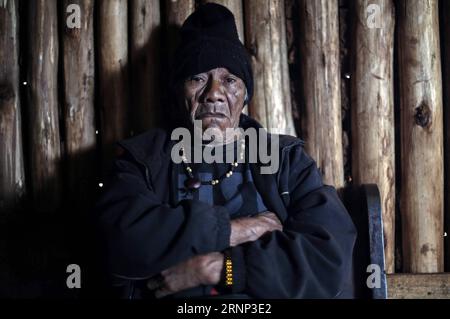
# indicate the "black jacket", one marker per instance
pixel 144 233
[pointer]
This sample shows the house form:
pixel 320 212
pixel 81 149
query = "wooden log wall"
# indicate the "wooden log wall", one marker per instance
pixel 422 175
pixel 12 174
pixel 45 175
pixel 80 90
pixel 113 74
pixel 176 12
pixel 321 116
pixel 265 30
pixel 445 28
pixel 145 23
pixel 373 146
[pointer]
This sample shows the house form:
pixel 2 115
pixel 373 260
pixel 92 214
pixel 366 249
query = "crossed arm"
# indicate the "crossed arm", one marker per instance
pixel 143 237
pixel 206 269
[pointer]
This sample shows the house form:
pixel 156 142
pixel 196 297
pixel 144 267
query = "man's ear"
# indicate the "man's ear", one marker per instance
pixel 246 98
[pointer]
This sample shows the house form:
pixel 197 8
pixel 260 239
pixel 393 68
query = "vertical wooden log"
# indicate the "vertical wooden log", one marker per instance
pixel 176 13
pixel 346 20
pixel 373 110
pixel 12 179
pixel 266 40
pixel 445 27
pixel 45 149
pixel 321 117
pixel 236 7
pixel 178 10
pixel 113 74
pixel 145 61
pixel 78 90
pixel 421 136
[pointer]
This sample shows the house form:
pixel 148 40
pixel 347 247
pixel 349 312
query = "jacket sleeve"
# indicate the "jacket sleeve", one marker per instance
pixel 142 236
pixel 312 256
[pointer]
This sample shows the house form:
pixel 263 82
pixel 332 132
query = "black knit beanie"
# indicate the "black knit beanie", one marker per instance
pixel 209 40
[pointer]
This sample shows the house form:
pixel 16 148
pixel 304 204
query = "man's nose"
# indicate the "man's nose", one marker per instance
pixel 214 92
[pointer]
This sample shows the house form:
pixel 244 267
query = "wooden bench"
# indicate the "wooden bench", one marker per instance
pixel 364 206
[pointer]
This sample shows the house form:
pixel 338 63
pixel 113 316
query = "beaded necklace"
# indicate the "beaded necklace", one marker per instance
pixel 193 183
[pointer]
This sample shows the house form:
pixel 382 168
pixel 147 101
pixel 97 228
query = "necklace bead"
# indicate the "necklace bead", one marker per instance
pixel 193 183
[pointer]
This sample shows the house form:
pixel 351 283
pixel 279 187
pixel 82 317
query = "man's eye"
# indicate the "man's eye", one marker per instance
pixel 196 79
pixel 231 80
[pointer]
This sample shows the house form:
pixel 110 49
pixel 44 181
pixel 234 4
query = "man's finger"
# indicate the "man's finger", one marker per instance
pixel 160 293
pixel 152 284
pixel 155 282
pixel 168 271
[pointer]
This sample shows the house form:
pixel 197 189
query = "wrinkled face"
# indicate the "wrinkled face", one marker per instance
pixel 216 98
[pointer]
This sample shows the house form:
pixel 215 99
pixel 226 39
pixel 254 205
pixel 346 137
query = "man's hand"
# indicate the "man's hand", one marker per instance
pixel 198 270
pixel 206 269
pixel 246 229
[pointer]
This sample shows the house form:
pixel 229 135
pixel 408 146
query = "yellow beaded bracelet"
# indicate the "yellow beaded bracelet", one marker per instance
pixel 228 271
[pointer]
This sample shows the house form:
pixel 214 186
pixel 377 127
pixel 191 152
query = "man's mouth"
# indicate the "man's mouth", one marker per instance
pixel 210 114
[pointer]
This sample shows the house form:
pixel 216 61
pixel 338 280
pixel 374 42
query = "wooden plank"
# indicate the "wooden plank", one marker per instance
pixel 373 148
pixel 321 116
pixel 266 41
pixel 42 91
pixel 12 176
pixel 113 74
pixel 445 21
pixel 419 286
pixel 145 22
pixel 78 96
pixel 421 196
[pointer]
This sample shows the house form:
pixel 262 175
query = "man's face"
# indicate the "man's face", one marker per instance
pixel 216 98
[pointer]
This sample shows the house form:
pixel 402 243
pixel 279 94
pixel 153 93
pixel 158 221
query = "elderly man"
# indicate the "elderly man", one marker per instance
pixel 201 229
